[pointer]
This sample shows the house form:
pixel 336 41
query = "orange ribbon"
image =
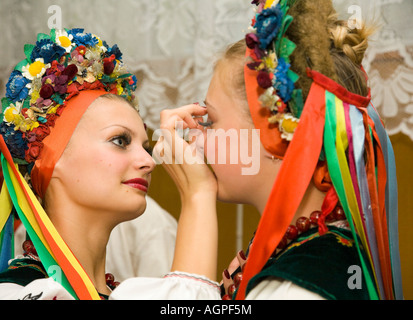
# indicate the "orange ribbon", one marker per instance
pixel 55 143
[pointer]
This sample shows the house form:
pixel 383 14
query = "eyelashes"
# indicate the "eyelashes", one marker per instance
pixel 206 124
pixel 124 139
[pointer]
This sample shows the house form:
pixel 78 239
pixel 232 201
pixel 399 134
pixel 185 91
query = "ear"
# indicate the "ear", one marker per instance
pixel 321 177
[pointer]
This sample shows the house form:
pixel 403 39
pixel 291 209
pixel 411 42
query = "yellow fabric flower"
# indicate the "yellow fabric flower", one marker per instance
pixel 35 70
pixel 26 125
pixel 11 114
pixel 53 110
pixel 120 89
pixel 270 3
pixel 64 40
pixel 270 61
pixel 35 96
pixel 36 67
pixel 289 125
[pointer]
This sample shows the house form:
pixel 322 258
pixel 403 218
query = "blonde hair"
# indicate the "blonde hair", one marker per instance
pixel 230 68
pixel 324 44
pixel 348 51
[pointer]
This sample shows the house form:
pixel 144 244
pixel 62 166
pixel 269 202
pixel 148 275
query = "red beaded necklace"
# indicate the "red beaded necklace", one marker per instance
pixel 302 225
pixel 30 251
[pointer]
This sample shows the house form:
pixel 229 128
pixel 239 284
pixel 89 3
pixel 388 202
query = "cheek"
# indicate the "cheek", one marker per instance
pixel 222 153
pixel 223 147
pixel 108 166
pixel 94 169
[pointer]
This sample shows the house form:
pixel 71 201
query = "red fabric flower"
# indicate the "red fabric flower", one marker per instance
pixel 32 153
pixel 46 91
pixel 109 65
pixel 38 134
pixel 251 40
pixel 70 72
pixel 264 80
pixel 51 119
pixel 81 50
pixel 41 132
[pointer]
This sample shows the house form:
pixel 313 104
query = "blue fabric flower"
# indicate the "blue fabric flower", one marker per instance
pixel 283 84
pixel 83 39
pixel 14 141
pixel 268 24
pixel 114 50
pixel 135 82
pixel 48 50
pixel 16 87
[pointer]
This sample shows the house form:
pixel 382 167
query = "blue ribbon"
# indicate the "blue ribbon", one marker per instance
pixel 391 201
pixel 7 244
pixel 359 132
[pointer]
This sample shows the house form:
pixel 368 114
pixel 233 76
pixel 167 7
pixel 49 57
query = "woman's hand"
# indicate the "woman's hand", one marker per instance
pixel 231 277
pixel 197 236
pixel 184 161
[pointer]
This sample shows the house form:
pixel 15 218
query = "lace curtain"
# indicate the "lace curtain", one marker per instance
pixel 389 60
pixel 171 45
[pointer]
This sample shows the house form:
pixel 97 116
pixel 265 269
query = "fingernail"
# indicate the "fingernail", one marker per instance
pixel 242 255
pixel 226 274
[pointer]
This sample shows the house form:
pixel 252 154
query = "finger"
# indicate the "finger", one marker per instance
pixel 234 265
pixel 226 279
pixel 195 110
pixel 242 259
pixel 192 109
pixel 175 121
pixel 184 114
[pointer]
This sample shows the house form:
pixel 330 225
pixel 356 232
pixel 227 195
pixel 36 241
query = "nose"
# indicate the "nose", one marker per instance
pixel 144 161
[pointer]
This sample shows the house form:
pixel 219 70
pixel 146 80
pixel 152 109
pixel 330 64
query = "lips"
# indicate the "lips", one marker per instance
pixel 140 184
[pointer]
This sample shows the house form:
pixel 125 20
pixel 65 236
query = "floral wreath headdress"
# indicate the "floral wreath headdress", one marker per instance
pixel 46 95
pixel 270 56
pixel 334 125
pixel 56 69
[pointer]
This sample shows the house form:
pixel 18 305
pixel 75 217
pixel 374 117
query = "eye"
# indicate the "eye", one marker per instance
pixel 208 123
pixel 122 141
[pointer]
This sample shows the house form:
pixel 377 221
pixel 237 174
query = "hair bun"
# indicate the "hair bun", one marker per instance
pixel 353 42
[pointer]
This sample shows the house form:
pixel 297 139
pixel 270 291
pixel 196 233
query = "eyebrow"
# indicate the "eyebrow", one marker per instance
pixel 146 142
pixel 117 125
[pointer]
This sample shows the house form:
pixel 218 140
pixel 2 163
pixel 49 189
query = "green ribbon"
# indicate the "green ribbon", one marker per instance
pixel 44 255
pixel 335 173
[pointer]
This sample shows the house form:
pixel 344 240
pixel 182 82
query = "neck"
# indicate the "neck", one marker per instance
pixel 312 200
pixel 87 235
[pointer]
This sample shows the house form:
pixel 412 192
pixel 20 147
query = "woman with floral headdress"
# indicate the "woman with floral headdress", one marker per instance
pixel 326 188
pixel 76 162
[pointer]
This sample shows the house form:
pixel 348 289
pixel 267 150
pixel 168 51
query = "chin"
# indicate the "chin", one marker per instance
pixel 132 211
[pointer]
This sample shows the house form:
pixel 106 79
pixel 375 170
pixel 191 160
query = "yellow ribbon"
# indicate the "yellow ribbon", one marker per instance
pixel 341 144
pixel 30 215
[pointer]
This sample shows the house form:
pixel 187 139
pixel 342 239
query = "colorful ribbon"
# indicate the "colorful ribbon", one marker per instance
pixel 362 168
pixel 51 248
